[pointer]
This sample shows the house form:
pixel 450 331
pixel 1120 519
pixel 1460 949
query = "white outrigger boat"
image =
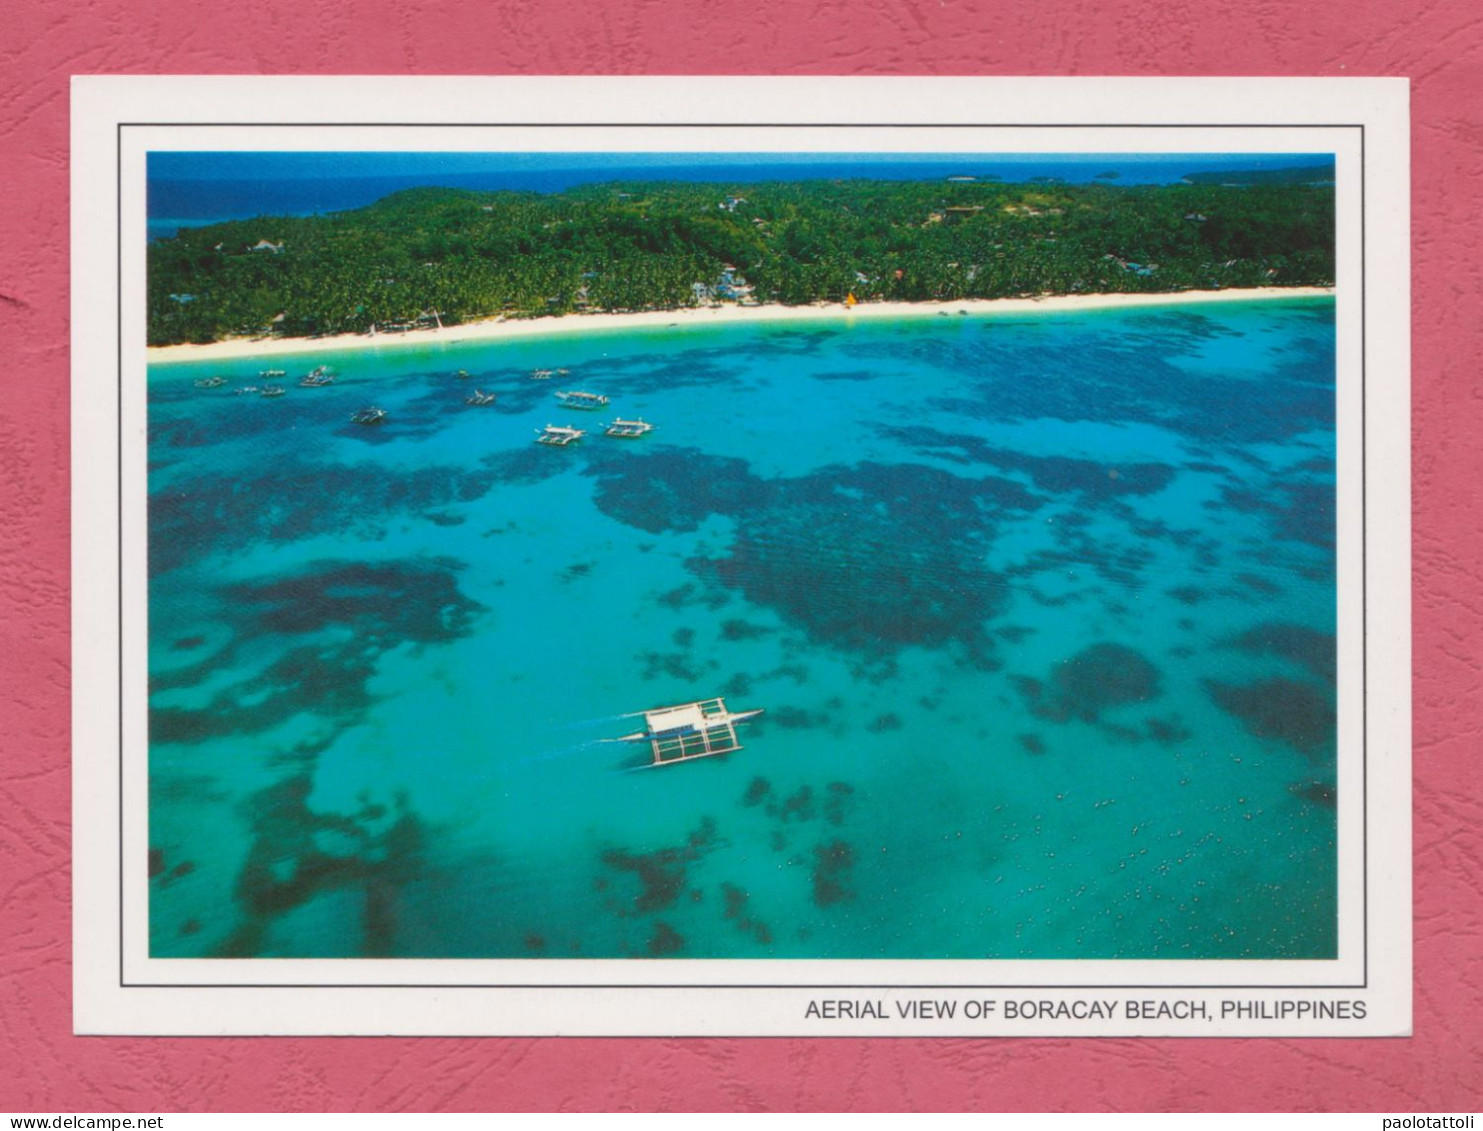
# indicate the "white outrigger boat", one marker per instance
pixel 558 437
pixel 582 400
pixel 627 429
pixel 272 391
pixel 690 730
pixel 210 382
pixel 478 398
pixel 318 377
pixel 272 374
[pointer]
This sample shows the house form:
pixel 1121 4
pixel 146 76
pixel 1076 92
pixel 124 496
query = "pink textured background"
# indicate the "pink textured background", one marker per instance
pixel 1439 45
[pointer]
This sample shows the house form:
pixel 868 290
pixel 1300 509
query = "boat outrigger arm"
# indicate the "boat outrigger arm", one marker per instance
pixel 690 730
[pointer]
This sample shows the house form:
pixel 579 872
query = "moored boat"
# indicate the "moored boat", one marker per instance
pixel 273 390
pixel 579 399
pixel 480 398
pixel 627 429
pixel 210 382
pixel 558 437
pixel 370 415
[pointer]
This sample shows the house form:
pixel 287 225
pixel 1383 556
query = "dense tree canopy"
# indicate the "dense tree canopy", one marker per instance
pixel 651 245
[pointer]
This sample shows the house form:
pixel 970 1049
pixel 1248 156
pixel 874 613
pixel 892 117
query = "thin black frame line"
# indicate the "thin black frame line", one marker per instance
pixel 699 985
pixel 1364 588
pixel 1364 623
pixel 765 125
pixel 118 205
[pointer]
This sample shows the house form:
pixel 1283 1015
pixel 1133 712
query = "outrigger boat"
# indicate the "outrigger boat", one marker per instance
pixel 547 374
pixel 269 374
pixel 558 437
pixel 272 390
pixel 627 429
pixel 479 398
pixel 582 400
pixel 371 415
pixel 210 382
pixel 318 377
pixel 689 731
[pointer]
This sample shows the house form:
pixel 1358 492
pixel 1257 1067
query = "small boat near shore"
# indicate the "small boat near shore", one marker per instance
pixel 547 374
pixel 558 437
pixel 272 391
pixel 688 731
pixel 627 429
pixel 209 382
pixel 318 378
pixel 480 398
pixel 579 399
pixel 273 374
pixel 370 415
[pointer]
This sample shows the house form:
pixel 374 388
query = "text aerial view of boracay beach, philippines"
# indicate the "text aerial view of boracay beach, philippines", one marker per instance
pixel 742 556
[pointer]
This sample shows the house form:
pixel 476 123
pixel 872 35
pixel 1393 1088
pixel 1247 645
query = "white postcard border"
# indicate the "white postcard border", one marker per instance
pixel 118 989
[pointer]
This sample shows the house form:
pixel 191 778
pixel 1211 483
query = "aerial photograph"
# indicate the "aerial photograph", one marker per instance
pixel 741 555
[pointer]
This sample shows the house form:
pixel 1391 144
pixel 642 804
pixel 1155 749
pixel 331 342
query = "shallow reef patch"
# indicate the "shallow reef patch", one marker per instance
pixel 1307 647
pixel 1291 711
pixel 1095 680
pixel 661 872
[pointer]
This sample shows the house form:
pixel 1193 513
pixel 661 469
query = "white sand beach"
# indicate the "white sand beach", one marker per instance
pixel 496 329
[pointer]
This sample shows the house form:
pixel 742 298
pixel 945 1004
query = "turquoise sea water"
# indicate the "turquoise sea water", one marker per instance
pixel 1041 610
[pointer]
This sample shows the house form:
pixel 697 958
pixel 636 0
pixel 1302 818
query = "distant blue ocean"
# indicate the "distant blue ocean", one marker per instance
pixel 1041 609
pixel 193 189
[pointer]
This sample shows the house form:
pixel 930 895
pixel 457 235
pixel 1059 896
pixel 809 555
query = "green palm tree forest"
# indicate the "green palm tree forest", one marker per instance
pixel 664 245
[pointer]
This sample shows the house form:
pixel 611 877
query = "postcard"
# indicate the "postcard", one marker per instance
pixel 739 557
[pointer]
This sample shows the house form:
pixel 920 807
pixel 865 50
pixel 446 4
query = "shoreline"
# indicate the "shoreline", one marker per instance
pixel 499 329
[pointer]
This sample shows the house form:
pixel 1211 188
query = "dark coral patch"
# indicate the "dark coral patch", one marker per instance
pixel 299 499
pixel 1092 479
pixel 735 629
pixel 380 606
pixel 1032 743
pixel 839 799
pixel 736 900
pixel 796 718
pixel 1288 710
pixel 867 558
pixel 1316 651
pixel 661 873
pixel 298 853
pixel 675 489
pixel 757 791
pixel 873 558
pixel 1302 510
pixel 665 940
pixel 1320 793
pixel 1260 584
pixel 1167 732
pixel 834 865
pixel 1098 679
